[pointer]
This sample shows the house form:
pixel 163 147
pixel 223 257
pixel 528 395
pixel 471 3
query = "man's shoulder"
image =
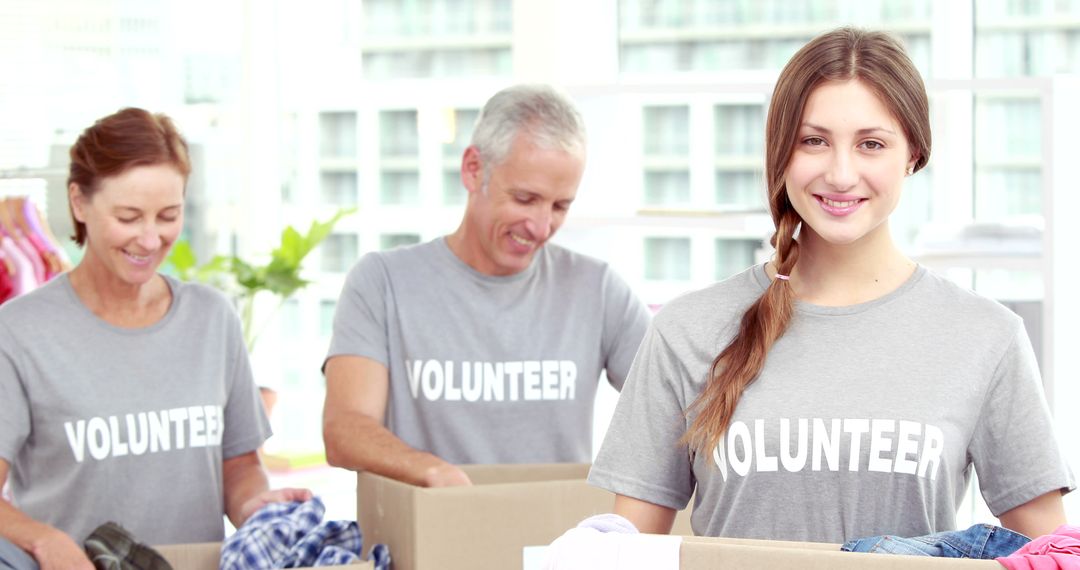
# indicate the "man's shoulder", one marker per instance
pixel 563 258
pixel 572 270
pixel 403 258
pixel 423 252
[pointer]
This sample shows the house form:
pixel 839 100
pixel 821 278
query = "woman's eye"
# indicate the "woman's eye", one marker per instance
pixel 128 220
pixel 814 141
pixel 873 145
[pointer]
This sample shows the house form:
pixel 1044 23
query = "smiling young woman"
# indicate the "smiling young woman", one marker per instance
pixel 854 390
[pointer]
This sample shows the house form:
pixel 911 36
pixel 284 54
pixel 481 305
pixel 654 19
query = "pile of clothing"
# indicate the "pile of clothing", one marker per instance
pixel 279 535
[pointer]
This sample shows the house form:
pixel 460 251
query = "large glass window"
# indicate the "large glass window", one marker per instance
pixel 1008 157
pixel 459 127
pixel 740 148
pixel 734 255
pixel 399 144
pixel 326 317
pixel 1025 38
pixel 667 259
pixel 337 134
pixel 399 188
pixel 339 188
pixel 437 38
pixel 663 36
pixel 398 135
pixel 339 252
pixel 390 241
pixel 666 139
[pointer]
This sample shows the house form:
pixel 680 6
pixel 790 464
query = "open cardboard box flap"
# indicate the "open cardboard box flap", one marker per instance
pixel 478 527
pixel 703 553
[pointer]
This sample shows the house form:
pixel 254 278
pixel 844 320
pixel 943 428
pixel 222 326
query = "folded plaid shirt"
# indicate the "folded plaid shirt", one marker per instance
pixel 292 535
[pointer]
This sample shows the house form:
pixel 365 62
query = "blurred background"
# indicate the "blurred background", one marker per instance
pixel 296 109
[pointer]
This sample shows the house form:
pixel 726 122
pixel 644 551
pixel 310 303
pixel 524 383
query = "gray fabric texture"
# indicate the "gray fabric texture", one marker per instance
pixel 104 423
pixel 865 420
pixel 488 369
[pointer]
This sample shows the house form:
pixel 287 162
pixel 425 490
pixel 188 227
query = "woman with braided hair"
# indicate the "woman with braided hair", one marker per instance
pixel 839 390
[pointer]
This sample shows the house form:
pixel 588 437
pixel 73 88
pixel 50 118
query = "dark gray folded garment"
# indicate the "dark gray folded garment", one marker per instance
pixel 111 547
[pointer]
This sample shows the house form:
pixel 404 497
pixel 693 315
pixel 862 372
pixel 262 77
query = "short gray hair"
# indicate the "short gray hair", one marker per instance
pixel 546 115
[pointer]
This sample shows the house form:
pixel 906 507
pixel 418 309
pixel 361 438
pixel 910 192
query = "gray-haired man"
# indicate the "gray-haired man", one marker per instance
pixel 486 345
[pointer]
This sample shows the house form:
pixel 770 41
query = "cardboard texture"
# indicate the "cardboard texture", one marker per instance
pixel 484 526
pixel 207 555
pixel 703 553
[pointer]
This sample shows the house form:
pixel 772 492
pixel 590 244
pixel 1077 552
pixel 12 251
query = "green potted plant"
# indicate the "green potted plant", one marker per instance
pixel 245 280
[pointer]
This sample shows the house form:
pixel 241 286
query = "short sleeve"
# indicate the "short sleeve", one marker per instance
pixel 625 320
pixel 14 405
pixel 246 425
pixel 360 316
pixel 1013 448
pixel 641 456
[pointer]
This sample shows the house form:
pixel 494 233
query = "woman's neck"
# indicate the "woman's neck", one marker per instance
pixel 119 303
pixel 842 275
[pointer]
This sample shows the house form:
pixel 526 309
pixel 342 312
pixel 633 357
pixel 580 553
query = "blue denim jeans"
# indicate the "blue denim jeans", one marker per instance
pixel 982 541
pixel 13 558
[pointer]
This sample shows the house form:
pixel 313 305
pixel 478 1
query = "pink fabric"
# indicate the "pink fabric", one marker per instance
pixel 1060 550
pixel 32 254
pixel 43 252
pixel 30 214
pixel 7 283
pixel 24 280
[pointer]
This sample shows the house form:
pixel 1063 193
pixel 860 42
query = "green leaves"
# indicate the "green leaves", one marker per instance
pixel 183 260
pixel 281 276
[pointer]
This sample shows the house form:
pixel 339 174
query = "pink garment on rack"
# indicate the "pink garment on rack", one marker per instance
pixel 42 251
pixel 31 215
pixel 32 254
pixel 7 280
pixel 1060 550
pixel 23 281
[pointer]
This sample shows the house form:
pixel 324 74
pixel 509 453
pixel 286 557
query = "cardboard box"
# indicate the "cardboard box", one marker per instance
pixel 703 553
pixel 207 555
pixel 482 527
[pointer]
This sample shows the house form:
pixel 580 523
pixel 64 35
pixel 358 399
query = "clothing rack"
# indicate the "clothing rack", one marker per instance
pixel 30 255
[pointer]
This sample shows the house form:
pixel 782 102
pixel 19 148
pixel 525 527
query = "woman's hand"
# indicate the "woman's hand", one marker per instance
pixel 55 550
pixel 273 496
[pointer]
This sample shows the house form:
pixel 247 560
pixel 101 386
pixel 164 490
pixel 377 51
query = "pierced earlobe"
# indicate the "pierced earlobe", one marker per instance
pixel 910 170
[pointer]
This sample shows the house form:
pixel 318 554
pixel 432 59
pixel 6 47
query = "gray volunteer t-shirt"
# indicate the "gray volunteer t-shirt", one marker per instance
pixel 865 420
pixel 490 369
pixel 102 423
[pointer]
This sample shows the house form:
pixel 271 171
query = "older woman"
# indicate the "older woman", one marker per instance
pixel 126 395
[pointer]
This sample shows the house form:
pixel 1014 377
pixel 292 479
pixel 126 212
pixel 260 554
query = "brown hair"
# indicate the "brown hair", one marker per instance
pixel 128 138
pixel 879 62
